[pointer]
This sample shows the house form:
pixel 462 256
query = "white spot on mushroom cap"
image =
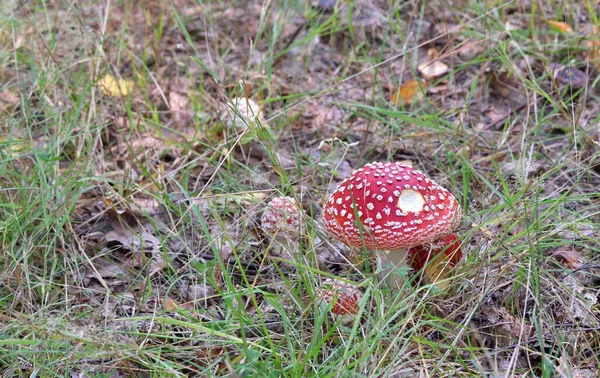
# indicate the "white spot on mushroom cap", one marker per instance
pixel 411 201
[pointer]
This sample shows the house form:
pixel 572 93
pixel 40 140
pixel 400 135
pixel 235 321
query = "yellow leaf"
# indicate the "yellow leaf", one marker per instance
pixel 408 93
pixel 115 87
pixel 12 147
pixel 561 27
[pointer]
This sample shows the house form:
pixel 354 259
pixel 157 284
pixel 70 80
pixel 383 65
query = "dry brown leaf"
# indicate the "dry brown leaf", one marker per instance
pixel 169 304
pixel 105 272
pixel 559 26
pixel 114 87
pixel 179 104
pixel 569 76
pixel 594 45
pixel 506 84
pixel 9 97
pixel 582 302
pixel 491 116
pixel 409 92
pixel 568 256
pixel 505 324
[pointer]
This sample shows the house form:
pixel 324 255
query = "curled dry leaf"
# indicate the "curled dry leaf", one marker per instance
pixel 594 45
pixel 433 69
pixel 561 27
pixel 505 324
pixel 568 256
pixel 568 76
pixel 248 109
pixel 169 304
pixel 582 302
pixel 409 92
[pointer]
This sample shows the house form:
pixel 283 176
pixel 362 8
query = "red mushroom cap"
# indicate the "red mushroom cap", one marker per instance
pixel 347 296
pixel 282 214
pixel 397 207
pixel 419 256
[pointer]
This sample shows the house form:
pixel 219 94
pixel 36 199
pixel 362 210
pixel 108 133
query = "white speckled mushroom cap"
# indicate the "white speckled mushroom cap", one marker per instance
pixel 282 214
pixel 346 296
pixel 397 207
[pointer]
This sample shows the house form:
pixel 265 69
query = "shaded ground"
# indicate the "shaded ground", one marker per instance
pixel 131 195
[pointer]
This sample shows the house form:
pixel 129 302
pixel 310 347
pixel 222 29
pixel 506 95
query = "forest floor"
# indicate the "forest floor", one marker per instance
pixel 131 193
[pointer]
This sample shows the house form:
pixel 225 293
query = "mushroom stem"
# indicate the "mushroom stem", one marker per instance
pixel 388 261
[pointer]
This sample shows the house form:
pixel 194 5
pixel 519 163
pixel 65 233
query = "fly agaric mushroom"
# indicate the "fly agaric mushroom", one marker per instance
pixel 388 208
pixel 436 258
pixel 282 219
pixel 346 296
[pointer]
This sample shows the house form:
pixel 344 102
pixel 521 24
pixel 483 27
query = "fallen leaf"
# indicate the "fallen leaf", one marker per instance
pixel 559 26
pixel 506 325
pixel 409 92
pixel 114 87
pixel 199 292
pixel 179 104
pixel 506 84
pixel 170 304
pixel 248 109
pixel 432 69
pixel 105 274
pixel 511 25
pixel 567 75
pixel 568 256
pixel 12 147
pixel 594 45
pixel 491 116
pixel 582 302
pixel 9 97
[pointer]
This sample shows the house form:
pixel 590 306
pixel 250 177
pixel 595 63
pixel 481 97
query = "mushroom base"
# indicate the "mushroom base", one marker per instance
pixel 388 263
pixel 438 271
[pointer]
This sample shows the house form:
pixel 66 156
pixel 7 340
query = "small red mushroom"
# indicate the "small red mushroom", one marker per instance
pixel 282 220
pixel 388 208
pixel 282 214
pixel 346 296
pixel 436 258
